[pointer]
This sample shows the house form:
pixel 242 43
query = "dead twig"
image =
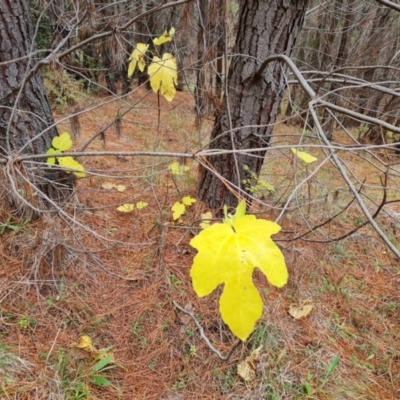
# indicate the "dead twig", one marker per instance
pixel 205 338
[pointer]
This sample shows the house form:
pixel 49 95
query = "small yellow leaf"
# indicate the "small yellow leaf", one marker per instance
pixel 165 37
pixel 108 185
pixel 141 204
pixel 188 201
pixel 247 368
pixel 164 76
pixel 137 58
pixel 85 343
pixel 308 158
pixel 52 160
pixel 177 169
pixel 69 162
pixel 178 209
pixel 302 310
pixel 62 142
pixel 206 215
pixel 128 207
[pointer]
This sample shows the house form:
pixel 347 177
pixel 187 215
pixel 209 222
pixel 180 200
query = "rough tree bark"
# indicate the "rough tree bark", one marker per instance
pixel 266 28
pixel 33 114
pixel 24 109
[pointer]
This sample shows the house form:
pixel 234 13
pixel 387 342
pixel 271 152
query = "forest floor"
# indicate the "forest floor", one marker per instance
pixel 114 276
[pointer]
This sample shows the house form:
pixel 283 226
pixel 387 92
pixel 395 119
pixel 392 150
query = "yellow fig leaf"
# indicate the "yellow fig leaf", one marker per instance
pixel 128 207
pixel 165 37
pixel 137 58
pixel 177 169
pixel 85 343
pixel 308 158
pixel 62 142
pixel 178 209
pixel 302 310
pixel 69 162
pixel 120 188
pixel 141 204
pixel 52 160
pixel 188 201
pixel 247 368
pixel 164 76
pixel 227 254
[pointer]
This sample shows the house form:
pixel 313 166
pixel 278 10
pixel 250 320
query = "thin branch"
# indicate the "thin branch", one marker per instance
pixel 205 338
pixel 389 4
pixel 338 164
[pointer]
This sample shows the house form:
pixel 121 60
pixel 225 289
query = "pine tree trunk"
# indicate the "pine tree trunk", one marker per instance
pixel 266 28
pixel 26 122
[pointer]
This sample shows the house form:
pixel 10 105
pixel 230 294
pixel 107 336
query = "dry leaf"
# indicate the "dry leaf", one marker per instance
pixel 110 186
pixel 120 188
pixel 247 368
pixel 302 310
pixel 206 215
pixel 85 343
pixel 107 185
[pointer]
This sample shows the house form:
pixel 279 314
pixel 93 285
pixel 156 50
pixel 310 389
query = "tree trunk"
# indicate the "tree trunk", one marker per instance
pixel 203 44
pixel 25 113
pixel 266 28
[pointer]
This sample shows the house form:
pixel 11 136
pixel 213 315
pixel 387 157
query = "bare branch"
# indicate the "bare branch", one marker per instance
pixel 390 4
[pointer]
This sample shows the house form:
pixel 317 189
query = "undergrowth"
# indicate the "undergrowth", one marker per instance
pixel 59 282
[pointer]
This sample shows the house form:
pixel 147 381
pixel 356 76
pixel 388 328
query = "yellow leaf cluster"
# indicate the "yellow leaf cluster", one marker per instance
pixel 163 75
pixel 165 37
pixel 60 144
pixel 129 207
pixel 228 252
pixel 178 209
pixel 307 158
pixel 137 58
